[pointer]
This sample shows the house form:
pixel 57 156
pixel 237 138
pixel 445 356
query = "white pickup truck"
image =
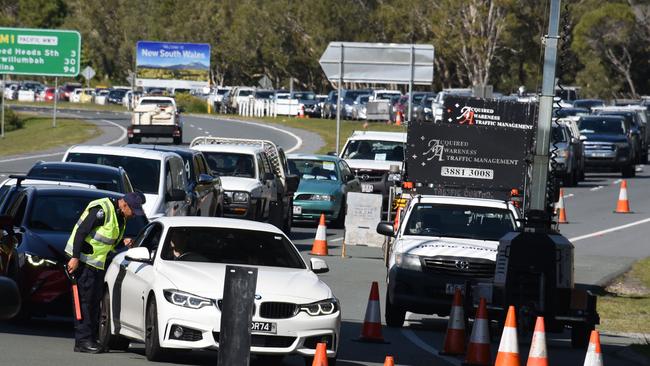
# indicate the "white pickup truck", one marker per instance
pixel 254 176
pixel 442 244
pixel 155 117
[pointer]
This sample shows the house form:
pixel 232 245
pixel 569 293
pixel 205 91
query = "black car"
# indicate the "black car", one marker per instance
pixel 608 145
pixel 44 217
pixel 115 96
pixel 203 186
pixel 569 112
pixel 308 100
pixel 636 129
pixel 101 176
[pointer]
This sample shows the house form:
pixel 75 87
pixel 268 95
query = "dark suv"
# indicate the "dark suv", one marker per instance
pixel 635 122
pixel 608 145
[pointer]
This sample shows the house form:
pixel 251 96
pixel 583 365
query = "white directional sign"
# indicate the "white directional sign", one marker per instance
pixel 88 73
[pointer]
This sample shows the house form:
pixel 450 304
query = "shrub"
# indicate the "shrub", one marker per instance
pixel 191 104
pixel 12 120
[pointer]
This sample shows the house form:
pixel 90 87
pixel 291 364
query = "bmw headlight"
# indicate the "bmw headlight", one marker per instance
pixel 408 261
pixel 186 300
pixel 37 261
pixel 322 197
pixel 323 307
pixel 240 197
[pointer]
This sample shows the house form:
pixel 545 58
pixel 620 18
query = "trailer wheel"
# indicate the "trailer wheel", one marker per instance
pixel 580 333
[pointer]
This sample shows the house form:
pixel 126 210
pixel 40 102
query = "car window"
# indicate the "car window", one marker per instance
pixel 56 213
pixel 150 237
pixel 17 209
pixel 231 164
pixel 232 246
pixel 345 169
pixel 459 221
pixel 266 166
pixel 174 175
pixel 196 169
pixel 314 169
pixel 143 173
pixel 203 165
pixel 602 126
pixel 374 150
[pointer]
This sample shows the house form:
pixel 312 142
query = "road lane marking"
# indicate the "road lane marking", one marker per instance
pixel 617 181
pixel 200 129
pixel 113 142
pixel 607 231
pixel 295 147
pixel 594 189
pixel 411 336
pixel 568 195
pixel 336 239
pixel 191 125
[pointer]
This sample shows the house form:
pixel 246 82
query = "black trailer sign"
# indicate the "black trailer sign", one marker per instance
pixel 480 145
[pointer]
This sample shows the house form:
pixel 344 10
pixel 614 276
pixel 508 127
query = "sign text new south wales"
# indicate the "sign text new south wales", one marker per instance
pixel 39 52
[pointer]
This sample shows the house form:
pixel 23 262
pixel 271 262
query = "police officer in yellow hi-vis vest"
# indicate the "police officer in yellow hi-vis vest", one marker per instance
pixel 98 231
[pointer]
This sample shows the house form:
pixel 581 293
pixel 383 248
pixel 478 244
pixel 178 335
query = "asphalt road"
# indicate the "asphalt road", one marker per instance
pixel 600 255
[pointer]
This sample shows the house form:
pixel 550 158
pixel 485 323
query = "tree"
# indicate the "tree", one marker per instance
pixel 607 33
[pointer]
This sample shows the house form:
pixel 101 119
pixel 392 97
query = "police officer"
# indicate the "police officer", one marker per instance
pixel 98 231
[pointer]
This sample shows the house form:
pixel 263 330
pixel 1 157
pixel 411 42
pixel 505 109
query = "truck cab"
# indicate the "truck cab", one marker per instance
pixel 370 156
pixel 442 244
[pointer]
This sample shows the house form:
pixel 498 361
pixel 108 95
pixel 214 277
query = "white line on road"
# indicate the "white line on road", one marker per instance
pixel 336 239
pixel 617 181
pixel 568 195
pixel 200 129
pixel 411 336
pixel 595 188
pixel 113 142
pixel 191 125
pixel 606 231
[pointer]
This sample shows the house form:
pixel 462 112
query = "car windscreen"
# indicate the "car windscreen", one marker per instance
pixel 144 174
pixel 245 93
pixel 459 221
pixel 385 96
pixel 231 164
pixel 558 134
pixel 101 180
pixel 364 99
pixel 374 150
pixel 629 116
pixel 61 212
pixel 304 96
pixel 607 126
pixel 264 94
pixel 353 94
pixel 313 169
pixel 232 246
pixel 161 102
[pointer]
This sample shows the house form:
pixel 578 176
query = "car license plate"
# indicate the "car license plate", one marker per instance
pixel 264 327
pixel 136 130
pixel 367 188
pixel 450 288
pixel 297 210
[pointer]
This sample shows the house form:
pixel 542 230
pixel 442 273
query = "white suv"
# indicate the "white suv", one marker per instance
pixel 160 175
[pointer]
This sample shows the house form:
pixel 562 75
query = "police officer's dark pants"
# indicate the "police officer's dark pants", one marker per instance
pixel 90 282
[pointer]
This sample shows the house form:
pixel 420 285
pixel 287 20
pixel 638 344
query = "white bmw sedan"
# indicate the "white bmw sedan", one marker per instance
pixel 166 291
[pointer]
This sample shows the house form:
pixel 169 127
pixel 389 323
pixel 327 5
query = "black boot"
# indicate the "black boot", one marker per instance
pixel 89 347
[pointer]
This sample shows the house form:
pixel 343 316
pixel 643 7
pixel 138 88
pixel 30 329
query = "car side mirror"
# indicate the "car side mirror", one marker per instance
pixel 318 265
pixel 331 153
pixel 139 254
pixel 292 183
pixel 269 176
pixel 386 228
pixel 9 298
pixel 175 195
pixel 205 179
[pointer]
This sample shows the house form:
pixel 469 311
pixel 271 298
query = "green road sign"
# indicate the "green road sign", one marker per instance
pixel 39 52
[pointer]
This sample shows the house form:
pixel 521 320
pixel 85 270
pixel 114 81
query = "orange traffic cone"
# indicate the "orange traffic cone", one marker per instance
pixel 537 355
pixel 478 350
pixel 371 331
pixel 389 361
pixel 508 348
pixel 320 242
pixel 320 357
pixel 455 337
pixel 397 217
pixel 623 204
pixel 398 118
pixel 561 211
pixel 594 354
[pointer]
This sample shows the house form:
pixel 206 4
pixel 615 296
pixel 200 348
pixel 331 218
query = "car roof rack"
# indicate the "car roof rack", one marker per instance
pixel 271 149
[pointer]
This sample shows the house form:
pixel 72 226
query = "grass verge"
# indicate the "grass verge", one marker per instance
pixel 326 128
pixel 38 134
pixel 625 306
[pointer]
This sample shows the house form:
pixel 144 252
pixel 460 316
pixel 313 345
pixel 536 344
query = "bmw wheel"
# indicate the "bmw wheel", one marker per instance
pixel 152 348
pixel 106 339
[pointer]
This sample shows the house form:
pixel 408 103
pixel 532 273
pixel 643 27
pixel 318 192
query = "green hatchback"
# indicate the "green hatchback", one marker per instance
pixel 324 183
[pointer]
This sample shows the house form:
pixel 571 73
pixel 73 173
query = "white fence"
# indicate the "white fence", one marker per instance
pixel 268 108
